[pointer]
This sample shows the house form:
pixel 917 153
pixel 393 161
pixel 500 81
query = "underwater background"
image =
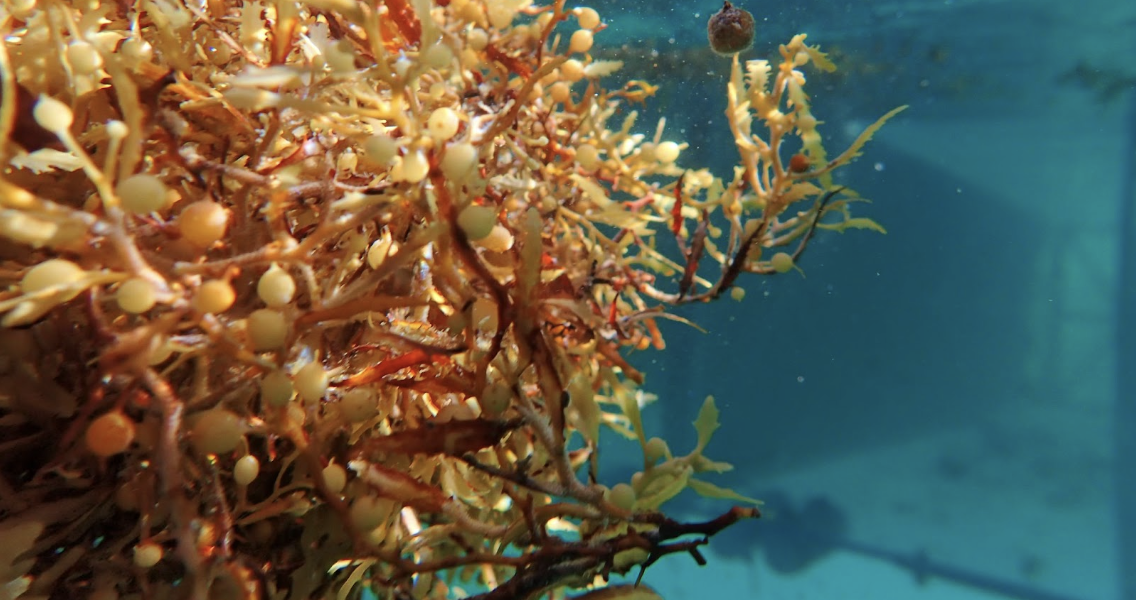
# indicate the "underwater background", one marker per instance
pixel 949 410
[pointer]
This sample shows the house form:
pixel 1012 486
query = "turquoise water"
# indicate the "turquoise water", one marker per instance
pixel 944 411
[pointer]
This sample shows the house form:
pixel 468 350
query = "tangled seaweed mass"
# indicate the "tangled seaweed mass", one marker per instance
pixel 307 298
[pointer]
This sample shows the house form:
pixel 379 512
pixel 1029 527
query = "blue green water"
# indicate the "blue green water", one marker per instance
pixel 944 411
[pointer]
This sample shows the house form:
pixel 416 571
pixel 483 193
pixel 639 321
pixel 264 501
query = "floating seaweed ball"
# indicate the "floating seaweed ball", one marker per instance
pixel 730 30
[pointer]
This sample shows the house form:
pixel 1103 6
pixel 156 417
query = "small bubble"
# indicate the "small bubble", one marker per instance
pixel 800 378
pixel 879 166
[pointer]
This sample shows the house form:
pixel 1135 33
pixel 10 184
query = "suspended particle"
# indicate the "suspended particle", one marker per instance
pixel 730 30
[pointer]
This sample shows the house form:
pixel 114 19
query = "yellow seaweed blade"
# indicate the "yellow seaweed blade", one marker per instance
pixel 709 490
pixel 621 592
pixel 820 59
pixel 706 423
pixel 854 150
pixel 854 223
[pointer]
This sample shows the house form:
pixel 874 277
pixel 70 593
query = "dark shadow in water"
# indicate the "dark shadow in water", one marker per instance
pixel 792 539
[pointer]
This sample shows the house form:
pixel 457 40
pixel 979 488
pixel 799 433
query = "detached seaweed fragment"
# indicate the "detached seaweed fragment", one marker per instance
pixel 306 298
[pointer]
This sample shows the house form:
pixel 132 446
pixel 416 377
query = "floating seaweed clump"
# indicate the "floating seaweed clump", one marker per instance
pixel 303 299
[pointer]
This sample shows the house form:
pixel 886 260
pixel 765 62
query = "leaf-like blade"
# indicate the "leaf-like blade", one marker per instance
pixel 820 59
pixel 709 490
pixel 629 402
pixel 854 223
pixel 621 592
pixel 667 484
pixel 706 423
pixel 854 150
pixel 701 464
